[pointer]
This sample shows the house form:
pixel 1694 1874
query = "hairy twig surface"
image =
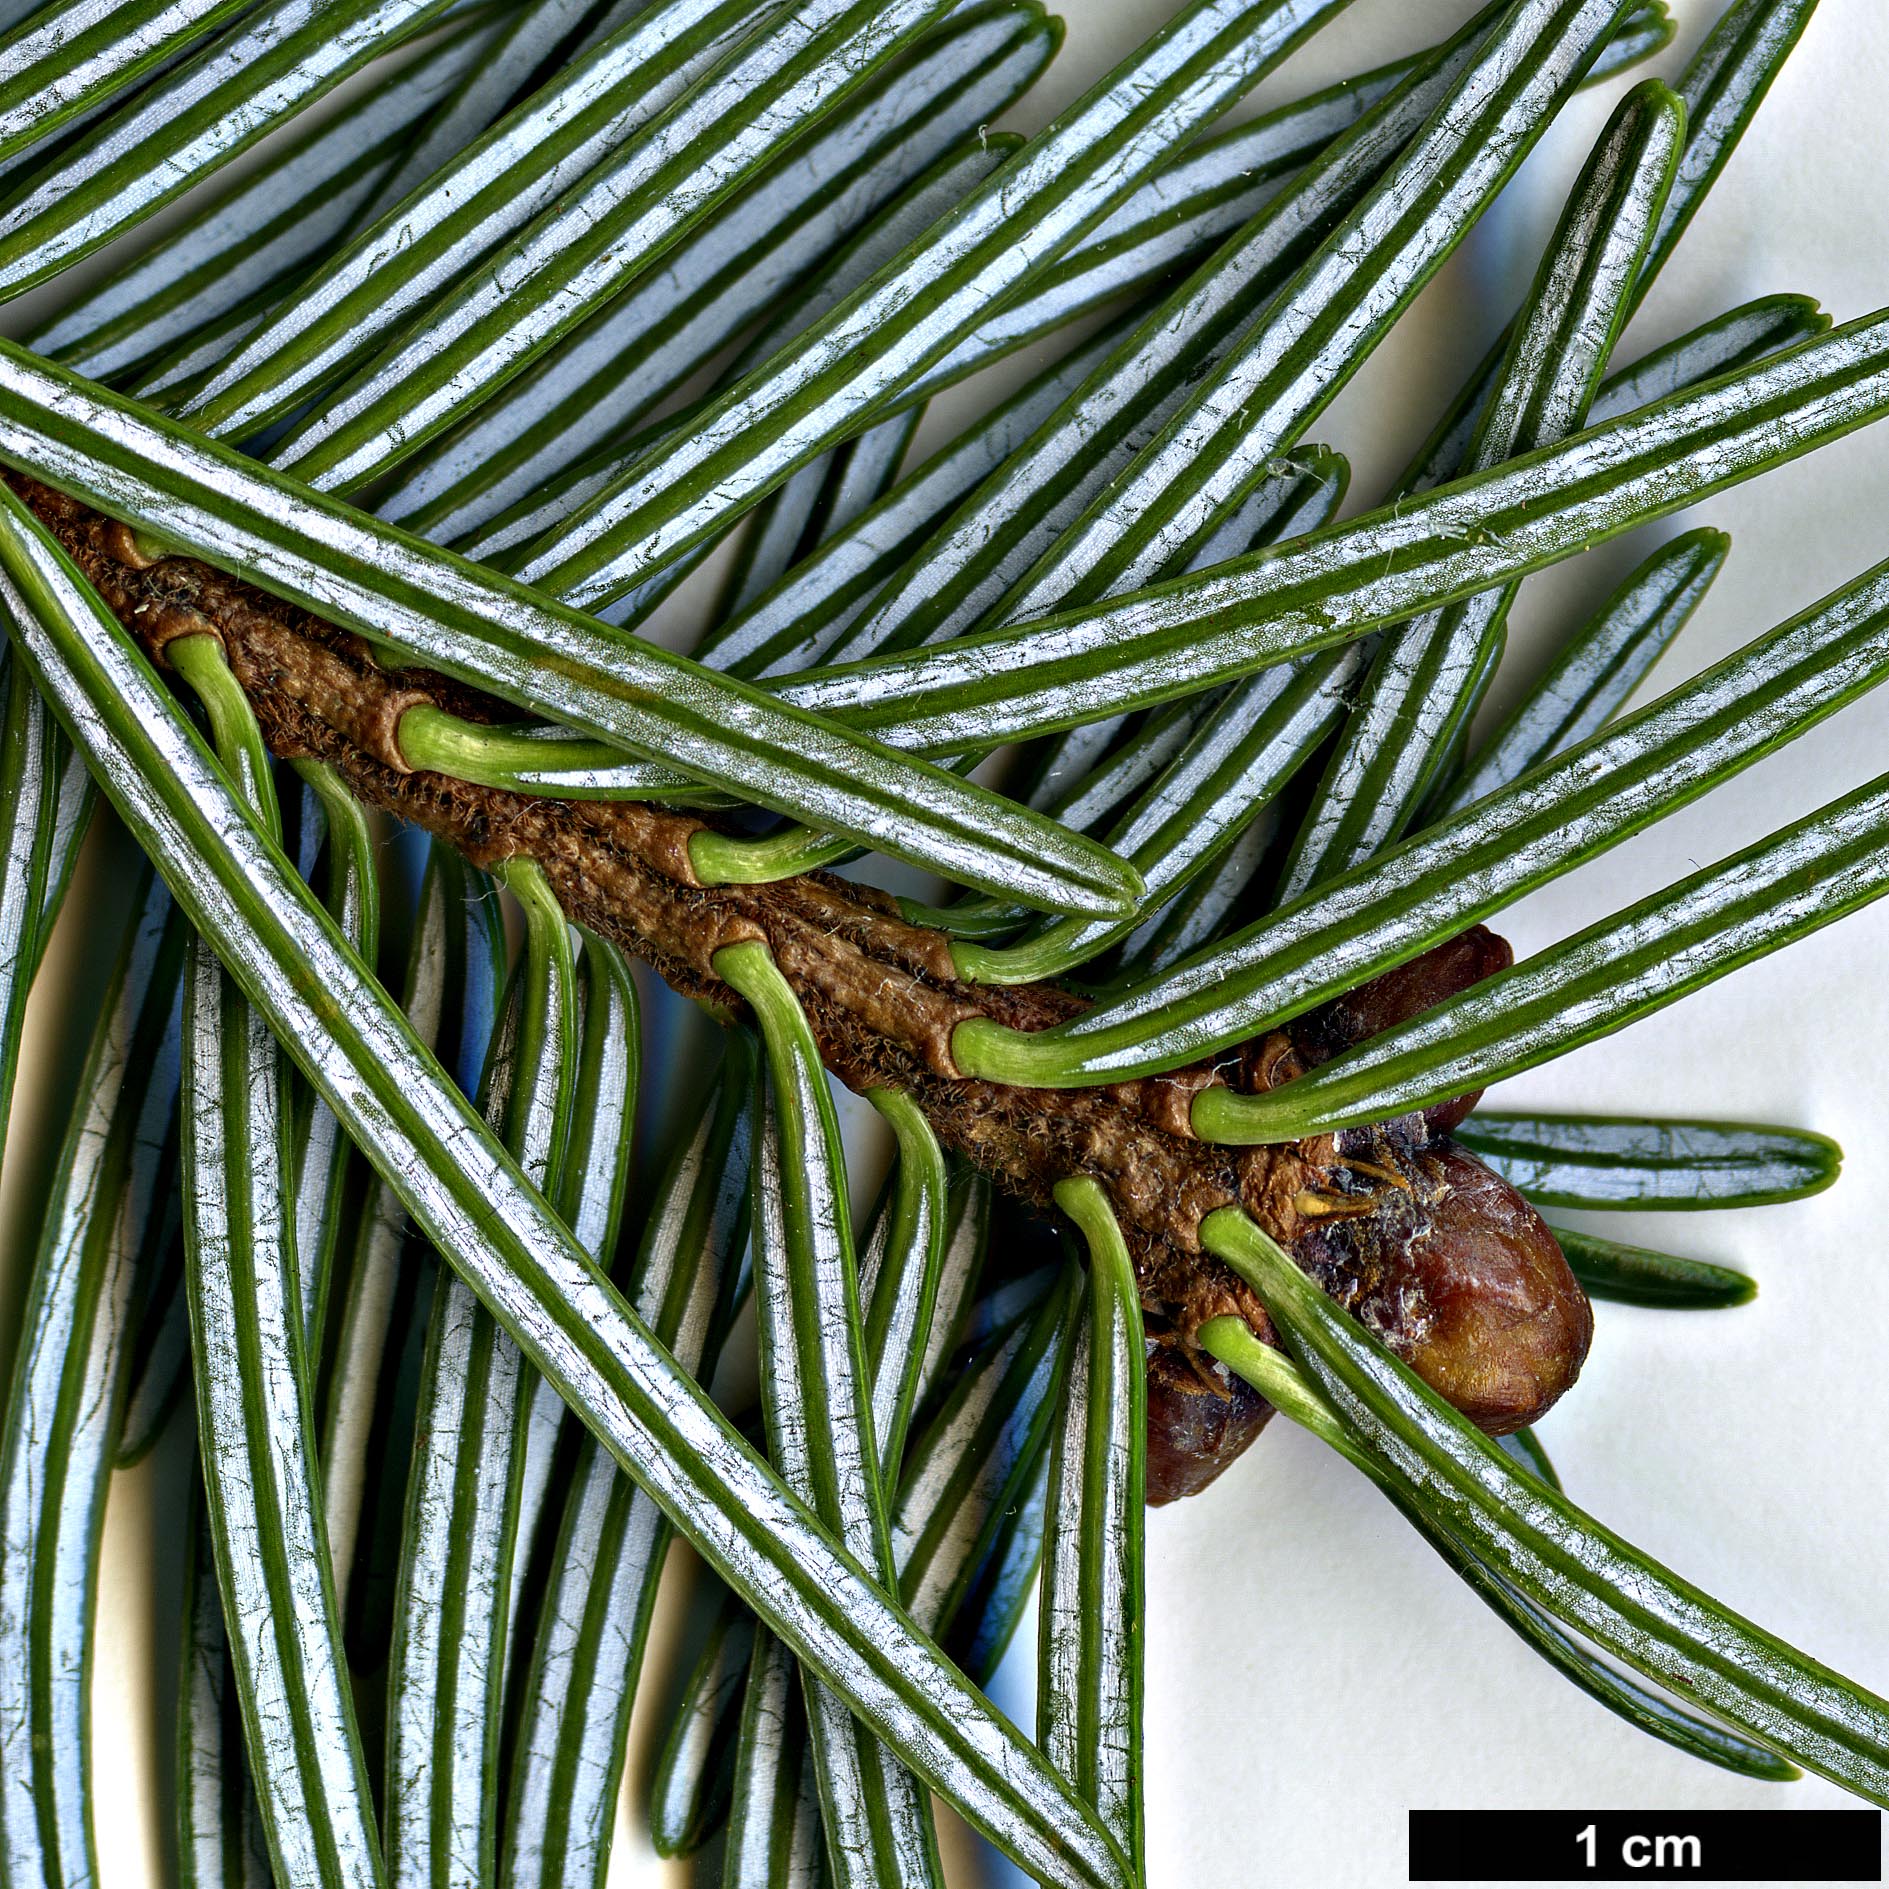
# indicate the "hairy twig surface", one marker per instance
pixel 1484 1307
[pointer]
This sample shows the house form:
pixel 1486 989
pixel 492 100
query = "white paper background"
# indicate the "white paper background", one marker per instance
pixel 1313 1671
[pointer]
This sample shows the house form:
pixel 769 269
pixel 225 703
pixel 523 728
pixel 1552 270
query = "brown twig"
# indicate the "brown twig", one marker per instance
pixel 882 999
